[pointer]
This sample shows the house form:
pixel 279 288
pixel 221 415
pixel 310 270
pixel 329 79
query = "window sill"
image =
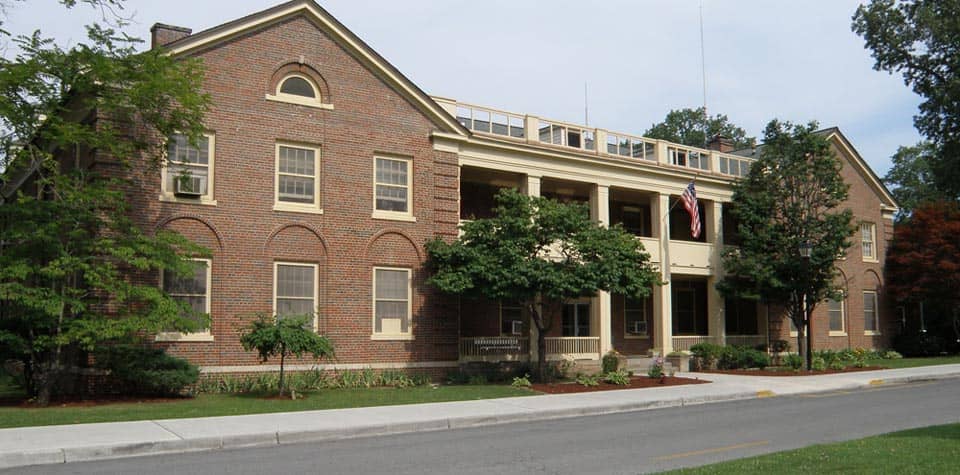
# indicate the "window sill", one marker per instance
pixel 297 209
pixel 394 216
pixel 184 337
pixel 300 101
pixel 833 333
pixel 871 333
pixel 794 334
pixel 390 337
pixel 871 260
pixel 636 337
pixel 203 201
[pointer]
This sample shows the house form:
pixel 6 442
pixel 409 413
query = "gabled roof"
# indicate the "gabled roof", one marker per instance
pixel 834 134
pixel 338 33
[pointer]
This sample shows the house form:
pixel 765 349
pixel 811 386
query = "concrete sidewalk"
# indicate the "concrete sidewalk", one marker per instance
pixel 72 443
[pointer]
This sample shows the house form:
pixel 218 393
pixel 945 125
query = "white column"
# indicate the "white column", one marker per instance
pixel 600 212
pixel 532 188
pixel 716 325
pixel 662 302
pixel 532 185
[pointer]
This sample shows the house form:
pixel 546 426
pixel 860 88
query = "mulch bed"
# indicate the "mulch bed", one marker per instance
pixel 788 372
pixel 636 382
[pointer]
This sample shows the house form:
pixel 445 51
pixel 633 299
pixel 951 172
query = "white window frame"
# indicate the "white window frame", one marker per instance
pixel 198 336
pixel 646 319
pixel 374 335
pixel 872 242
pixel 316 284
pixel 515 306
pixel 206 198
pixel 394 215
pixel 876 313
pixel 316 207
pixel 316 101
pixel 843 318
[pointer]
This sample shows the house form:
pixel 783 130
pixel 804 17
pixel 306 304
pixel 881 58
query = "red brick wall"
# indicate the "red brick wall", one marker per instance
pixel 247 236
pixel 858 275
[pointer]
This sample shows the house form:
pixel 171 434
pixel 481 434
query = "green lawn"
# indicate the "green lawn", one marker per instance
pixel 914 362
pixel 230 404
pixel 921 451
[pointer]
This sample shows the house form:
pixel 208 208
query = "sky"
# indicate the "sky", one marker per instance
pixel 764 59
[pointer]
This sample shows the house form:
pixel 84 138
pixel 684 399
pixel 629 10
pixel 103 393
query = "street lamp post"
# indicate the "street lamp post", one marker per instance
pixel 806 249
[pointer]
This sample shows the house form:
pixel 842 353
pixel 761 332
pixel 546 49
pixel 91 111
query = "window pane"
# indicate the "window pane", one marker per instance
pixel 500 125
pixel 573 138
pixel 481 120
pixel 297 86
pixel 391 284
pixel 588 141
pixel 195 284
pixel 294 307
pixel 649 152
pixel 835 309
pixel 295 281
pixel 638 149
pixel 391 198
pixel 612 141
pixel 624 147
pixel 391 172
pixel 509 316
pixel 635 317
pixel 516 127
pixel 723 165
pixel 296 160
pixel 179 150
pixel 295 189
pixel 463 115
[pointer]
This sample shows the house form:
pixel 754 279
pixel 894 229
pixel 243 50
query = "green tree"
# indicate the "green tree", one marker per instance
pixel 686 126
pixel 789 203
pixel 535 248
pixel 919 39
pixel 75 270
pixel 911 178
pixel 284 336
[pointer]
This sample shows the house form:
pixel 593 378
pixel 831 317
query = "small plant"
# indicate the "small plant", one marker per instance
pixel 620 378
pixel 860 356
pixel 610 362
pixel 656 369
pixel 283 337
pixel 477 379
pixel 777 348
pixel 521 381
pixel 706 354
pixel 818 363
pixel 588 380
pixel 836 365
pixel 457 377
pixel 794 361
pixel 891 355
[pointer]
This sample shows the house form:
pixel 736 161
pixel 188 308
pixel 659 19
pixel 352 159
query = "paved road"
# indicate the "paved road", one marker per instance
pixel 622 443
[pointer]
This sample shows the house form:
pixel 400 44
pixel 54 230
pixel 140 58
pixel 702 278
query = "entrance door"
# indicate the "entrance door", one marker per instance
pixel 576 319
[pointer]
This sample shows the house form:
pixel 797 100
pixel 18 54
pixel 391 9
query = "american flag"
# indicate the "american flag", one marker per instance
pixel 690 203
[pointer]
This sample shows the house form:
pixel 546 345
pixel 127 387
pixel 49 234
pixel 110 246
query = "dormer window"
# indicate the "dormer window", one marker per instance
pixel 297 84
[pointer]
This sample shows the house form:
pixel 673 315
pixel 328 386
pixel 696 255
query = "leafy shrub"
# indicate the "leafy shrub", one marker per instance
pixel 477 379
pixel 860 357
pixel 836 365
pixel 891 355
pixel 457 377
pixel 619 378
pixel 521 381
pixel 794 361
pixel 707 354
pixel 588 380
pixel 147 371
pixel 737 357
pixel 656 369
pixel 610 362
pixel 818 364
pixel 919 344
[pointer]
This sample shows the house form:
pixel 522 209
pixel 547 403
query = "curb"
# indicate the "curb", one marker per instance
pixel 266 439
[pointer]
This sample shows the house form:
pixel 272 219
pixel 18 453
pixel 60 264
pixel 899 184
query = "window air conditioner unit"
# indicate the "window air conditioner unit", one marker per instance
pixel 639 327
pixel 516 327
pixel 192 186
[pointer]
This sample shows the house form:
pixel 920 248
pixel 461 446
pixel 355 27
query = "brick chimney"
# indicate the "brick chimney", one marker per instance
pixel 161 35
pixel 721 144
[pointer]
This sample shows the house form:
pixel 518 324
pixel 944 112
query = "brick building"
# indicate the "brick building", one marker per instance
pixel 325 170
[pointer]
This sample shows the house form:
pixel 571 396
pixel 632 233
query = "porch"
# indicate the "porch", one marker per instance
pixel 683 343
pixel 517 348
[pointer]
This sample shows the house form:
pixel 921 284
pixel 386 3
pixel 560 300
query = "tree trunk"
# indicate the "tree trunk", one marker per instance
pixel 283 353
pixel 541 355
pixel 801 341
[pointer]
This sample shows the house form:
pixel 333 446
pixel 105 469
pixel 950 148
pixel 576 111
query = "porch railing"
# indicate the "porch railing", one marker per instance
pixel 746 340
pixel 495 348
pixel 683 343
pixel 577 347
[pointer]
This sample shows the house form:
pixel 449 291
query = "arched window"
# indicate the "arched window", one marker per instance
pixel 301 85
pixel 297 85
